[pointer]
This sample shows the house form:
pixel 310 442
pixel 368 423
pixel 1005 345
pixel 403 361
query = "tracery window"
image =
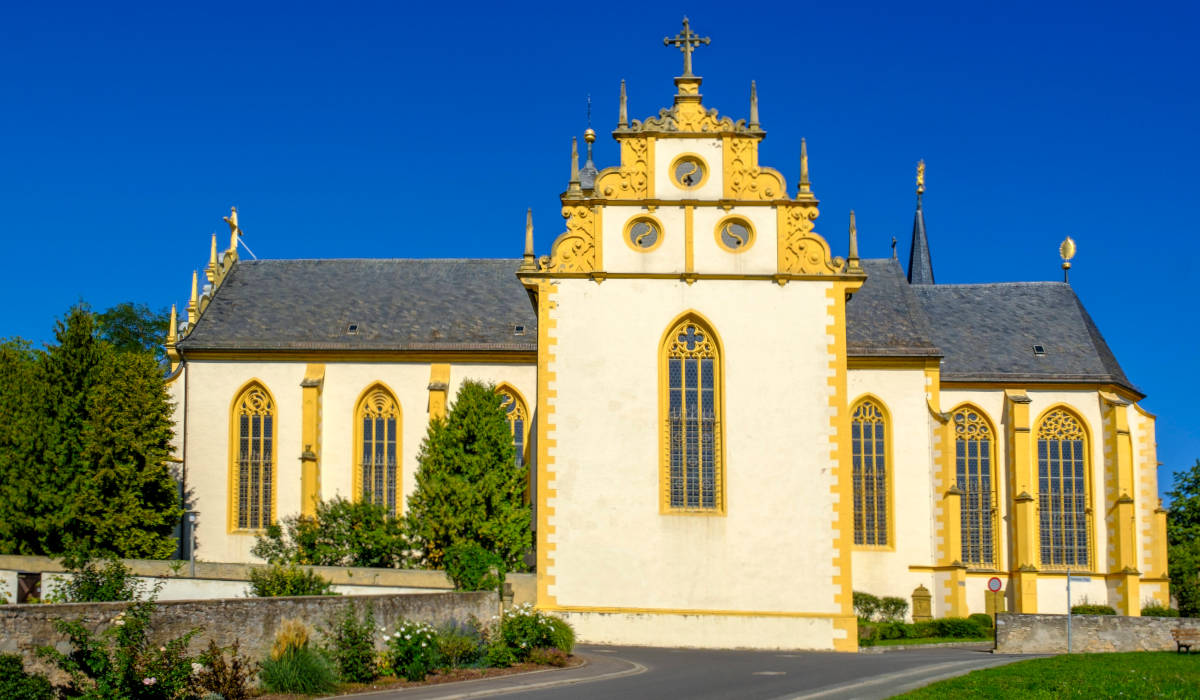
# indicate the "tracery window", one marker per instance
pixel 1065 517
pixel 518 419
pixel 868 441
pixel 253 442
pixel 377 477
pixel 974 461
pixel 691 360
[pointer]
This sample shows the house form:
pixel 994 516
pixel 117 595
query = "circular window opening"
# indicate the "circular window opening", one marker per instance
pixel 643 234
pixel 689 171
pixel 735 234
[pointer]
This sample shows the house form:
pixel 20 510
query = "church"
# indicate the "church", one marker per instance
pixel 731 422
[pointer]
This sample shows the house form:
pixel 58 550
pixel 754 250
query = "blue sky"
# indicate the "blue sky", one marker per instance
pixel 383 130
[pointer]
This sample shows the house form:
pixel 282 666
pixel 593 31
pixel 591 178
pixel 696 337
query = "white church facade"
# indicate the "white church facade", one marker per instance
pixel 729 427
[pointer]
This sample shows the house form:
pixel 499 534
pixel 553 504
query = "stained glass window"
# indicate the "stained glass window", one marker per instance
pixel 974 476
pixel 869 455
pixel 254 458
pixel 1065 517
pixel 693 421
pixel 377 473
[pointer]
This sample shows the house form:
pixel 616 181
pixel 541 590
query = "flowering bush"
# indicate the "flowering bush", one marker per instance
pixel 412 650
pixel 524 629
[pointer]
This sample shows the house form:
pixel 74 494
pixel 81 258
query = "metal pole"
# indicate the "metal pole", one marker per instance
pixel 1068 610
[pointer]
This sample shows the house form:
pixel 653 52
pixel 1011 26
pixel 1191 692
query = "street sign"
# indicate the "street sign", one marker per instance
pixel 1081 579
pixel 994 584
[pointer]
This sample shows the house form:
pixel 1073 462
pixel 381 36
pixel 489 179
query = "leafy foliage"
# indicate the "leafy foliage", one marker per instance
pixel 276 580
pixel 866 605
pixel 471 567
pixel 412 650
pixel 342 533
pixel 228 679
pixel 304 670
pixel 468 485
pixel 351 644
pixel 1089 609
pixel 982 619
pixel 524 629
pixel 459 645
pixel 121 662
pixel 84 446
pixel 1156 610
pixel 88 582
pixel 946 628
pixel 893 609
pixel 960 627
pixel 135 328
pixel 16 684
pixel 1183 540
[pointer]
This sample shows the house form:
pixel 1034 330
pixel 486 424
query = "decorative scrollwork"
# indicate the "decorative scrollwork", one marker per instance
pixel 575 250
pixel 867 412
pixel 746 179
pixel 632 179
pixel 1060 425
pixel 255 402
pixel 691 117
pixel 379 404
pixel 801 251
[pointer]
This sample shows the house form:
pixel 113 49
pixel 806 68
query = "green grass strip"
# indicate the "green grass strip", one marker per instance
pixel 1147 674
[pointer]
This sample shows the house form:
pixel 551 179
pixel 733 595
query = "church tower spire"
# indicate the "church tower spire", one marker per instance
pixel 920 265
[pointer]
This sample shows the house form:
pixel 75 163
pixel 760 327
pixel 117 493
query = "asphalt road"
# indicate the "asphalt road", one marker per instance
pixel 641 672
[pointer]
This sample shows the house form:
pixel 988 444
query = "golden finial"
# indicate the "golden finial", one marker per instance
pixel 172 337
pixel 920 177
pixel 852 264
pixel 528 261
pixel 234 229
pixel 623 114
pixel 1066 251
pixel 194 300
pixel 210 272
pixel 805 185
pixel 753 105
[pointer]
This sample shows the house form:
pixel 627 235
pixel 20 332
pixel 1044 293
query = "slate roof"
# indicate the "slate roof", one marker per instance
pixel 885 318
pixel 987 332
pixel 454 305
pixel 920 264
pixel 982 332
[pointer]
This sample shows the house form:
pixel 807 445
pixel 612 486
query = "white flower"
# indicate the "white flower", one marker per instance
pixel 149 681
pixel 422 644
pixel 197 668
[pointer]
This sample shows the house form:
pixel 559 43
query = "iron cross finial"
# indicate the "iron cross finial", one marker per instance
pixel 687 41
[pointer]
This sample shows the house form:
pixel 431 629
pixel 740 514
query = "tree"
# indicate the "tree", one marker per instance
pixel 343 533
pixel 22 426
pixel 469 486
pixel 130 327
pixel 1183 540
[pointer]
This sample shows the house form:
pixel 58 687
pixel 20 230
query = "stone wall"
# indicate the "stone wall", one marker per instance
pixel 1047 634
pixel 253 621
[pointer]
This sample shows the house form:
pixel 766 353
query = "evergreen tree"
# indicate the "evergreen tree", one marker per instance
pixel 21 429
pixel 130 327
pixel 469 487
pixel 1183 539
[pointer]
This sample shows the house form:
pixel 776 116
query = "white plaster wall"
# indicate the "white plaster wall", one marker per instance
pixel 666 150
pixel 619 256
pixel 885 571
pixel 613 547
pixel 1145 476
pixel 703 631
pixel 9 580
pixel 176 588
pixel 214 385
pixel 1052 593
pixel 761 257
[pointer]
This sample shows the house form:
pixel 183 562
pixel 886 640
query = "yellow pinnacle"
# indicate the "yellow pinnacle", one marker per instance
pixel 173 329
pixel 194 300
pixel 528 261
pixel 852 262
pixel 805 185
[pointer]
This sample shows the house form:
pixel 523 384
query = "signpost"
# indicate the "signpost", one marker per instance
pixel 1078 579
pixel 994 585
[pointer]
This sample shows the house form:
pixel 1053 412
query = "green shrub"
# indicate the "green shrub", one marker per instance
pixel 1088 609
pixel 121 662
pixel 290 580
pixel 866 605
pixel 351 644
pixel 921 630
pixel 229 680
pixel 893 609
pixel 341 533
pixel 302 670
pixel 412 650
pixel 548 657
pixel 16 684
pixel 499 654
pixel 982 619
pixel 957 627
pixel 868 633
pixel 88 582
pixel 471 567
pixel 1156 610
pixel 892 630
pixel 459 646
pixel 524 629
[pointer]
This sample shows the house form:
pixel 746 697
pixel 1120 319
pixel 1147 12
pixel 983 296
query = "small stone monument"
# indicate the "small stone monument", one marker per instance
pixel 922 604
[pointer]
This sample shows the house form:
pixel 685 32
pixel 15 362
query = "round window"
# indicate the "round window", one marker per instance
pixel 689 171
pixel 643 234
pixel 735 234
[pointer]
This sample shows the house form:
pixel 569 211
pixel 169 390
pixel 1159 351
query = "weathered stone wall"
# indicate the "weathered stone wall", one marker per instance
pixel 253 621
pixel 1047 634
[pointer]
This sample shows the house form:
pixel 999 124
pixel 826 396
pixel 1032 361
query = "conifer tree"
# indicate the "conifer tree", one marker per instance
pixel 469 487
pixel 21 430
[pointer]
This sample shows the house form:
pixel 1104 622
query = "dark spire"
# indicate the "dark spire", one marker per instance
pixel 920 266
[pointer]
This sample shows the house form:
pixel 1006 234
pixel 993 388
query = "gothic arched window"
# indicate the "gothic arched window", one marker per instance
pixel 690 380
pixel 868 440
pixel 377 441
pixel 1065 516
pixel 974 469
pixel 517 414
pixel 252 463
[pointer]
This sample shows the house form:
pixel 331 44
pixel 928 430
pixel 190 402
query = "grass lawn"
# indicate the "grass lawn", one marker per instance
pixel 1147 674
pixel 931 640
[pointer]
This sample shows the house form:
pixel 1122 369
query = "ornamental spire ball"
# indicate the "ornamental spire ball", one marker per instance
pixel 1066 251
